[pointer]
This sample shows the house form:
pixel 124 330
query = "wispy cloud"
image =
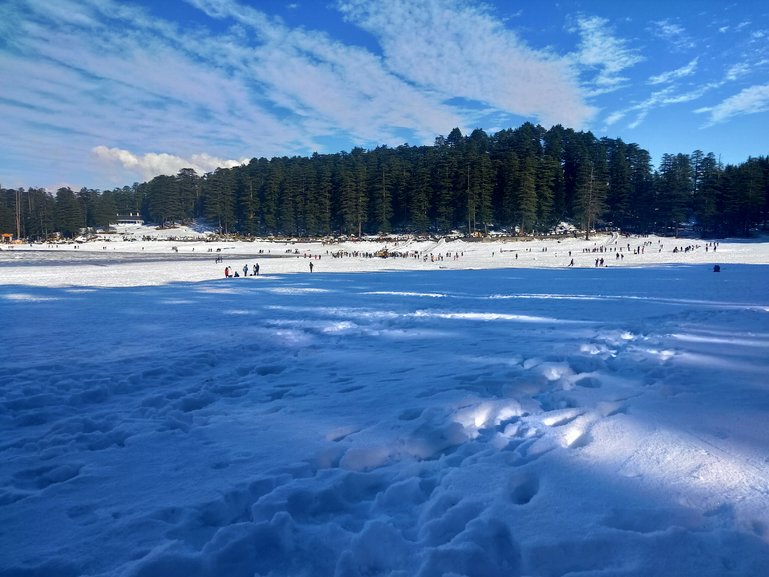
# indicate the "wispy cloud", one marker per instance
pixel 658 99
pixel 156 89
pixel 676 74
pixel 674 93
pixel 152 88
pixel 674 34
pixel 241 83
pixel 109 88
pixel 330 87
pixel 615 117
pixel 456 49
pixel 737 71
pixel 751 100
pixel 600 49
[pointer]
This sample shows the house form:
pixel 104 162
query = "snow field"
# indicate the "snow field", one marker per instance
pixel 110 261
pixel 482 423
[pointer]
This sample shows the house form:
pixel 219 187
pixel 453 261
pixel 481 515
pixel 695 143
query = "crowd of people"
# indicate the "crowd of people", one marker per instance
pixel 600 253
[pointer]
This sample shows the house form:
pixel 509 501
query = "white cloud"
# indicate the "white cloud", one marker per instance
pixel 332 87
pixel 737 71
pixel 149 86
pixel 153 164
pixel 640 117
pixel 661 98
pixel 674 34
pixel 455 49
pixel 748 101
pixel 676 74
pixel 260 90
pixel 614 117
pixel 601 50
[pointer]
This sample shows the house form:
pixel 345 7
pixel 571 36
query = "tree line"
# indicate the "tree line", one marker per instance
pixel 521 181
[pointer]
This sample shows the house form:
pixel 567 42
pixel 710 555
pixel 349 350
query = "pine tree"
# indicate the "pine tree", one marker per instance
pixel 526 196
pixel 270 196
pixel 289 192
pixel 510 177
pixel 548 173
pixel 419 202
pixel 347 178
pixel 554 148
pixel 249 180
pixel 619 185
pixel 163 202
pixel 322 198
pixel 69 217
pixel 641 214
pixel 188 185
pixel 219 201
pixel 106 209
pixel 443 191
pixel 592 183
pixel 88 199
pixel 706 200
pixel 674 186
pixel 383 203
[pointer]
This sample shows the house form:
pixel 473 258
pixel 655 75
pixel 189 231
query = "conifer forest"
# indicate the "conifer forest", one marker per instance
pixel 517 181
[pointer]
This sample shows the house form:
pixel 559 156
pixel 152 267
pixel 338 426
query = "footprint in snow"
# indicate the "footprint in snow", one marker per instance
pixel 351 389
pixel 523 487
pixel 43 477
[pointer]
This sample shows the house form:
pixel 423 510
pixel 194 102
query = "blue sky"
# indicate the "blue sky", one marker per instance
pixel 104 93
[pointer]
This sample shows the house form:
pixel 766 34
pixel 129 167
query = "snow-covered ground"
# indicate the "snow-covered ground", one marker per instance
pixel 141 255
pixel 404 416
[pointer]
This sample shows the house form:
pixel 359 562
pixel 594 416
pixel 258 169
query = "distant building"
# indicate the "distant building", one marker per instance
pixel 130 218
pixel 7 237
